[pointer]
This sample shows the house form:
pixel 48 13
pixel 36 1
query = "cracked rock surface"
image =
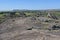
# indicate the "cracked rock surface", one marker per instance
pixel 17 30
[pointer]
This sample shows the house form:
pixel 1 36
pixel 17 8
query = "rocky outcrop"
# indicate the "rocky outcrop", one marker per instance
pixel 25 29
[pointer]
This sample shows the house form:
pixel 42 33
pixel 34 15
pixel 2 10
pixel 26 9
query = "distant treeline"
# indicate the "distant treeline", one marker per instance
pixel 26 13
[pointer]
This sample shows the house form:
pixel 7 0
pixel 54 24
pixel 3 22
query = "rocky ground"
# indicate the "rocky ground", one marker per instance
pixel 28 29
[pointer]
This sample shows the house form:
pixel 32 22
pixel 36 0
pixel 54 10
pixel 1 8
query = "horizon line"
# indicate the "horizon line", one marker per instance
pixel 28 9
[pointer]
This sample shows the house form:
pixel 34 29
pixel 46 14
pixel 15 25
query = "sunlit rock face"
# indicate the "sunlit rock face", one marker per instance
pixel 26 29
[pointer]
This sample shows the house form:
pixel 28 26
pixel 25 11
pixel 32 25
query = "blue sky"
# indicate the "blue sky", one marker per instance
pixel 29 4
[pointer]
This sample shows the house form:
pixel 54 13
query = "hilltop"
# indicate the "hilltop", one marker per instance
pixel 30 25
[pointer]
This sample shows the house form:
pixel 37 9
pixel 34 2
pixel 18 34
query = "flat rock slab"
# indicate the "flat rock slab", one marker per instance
pixel 17 30
pixel 28 35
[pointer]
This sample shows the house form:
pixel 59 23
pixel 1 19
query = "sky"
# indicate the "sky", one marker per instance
pixel 29 4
